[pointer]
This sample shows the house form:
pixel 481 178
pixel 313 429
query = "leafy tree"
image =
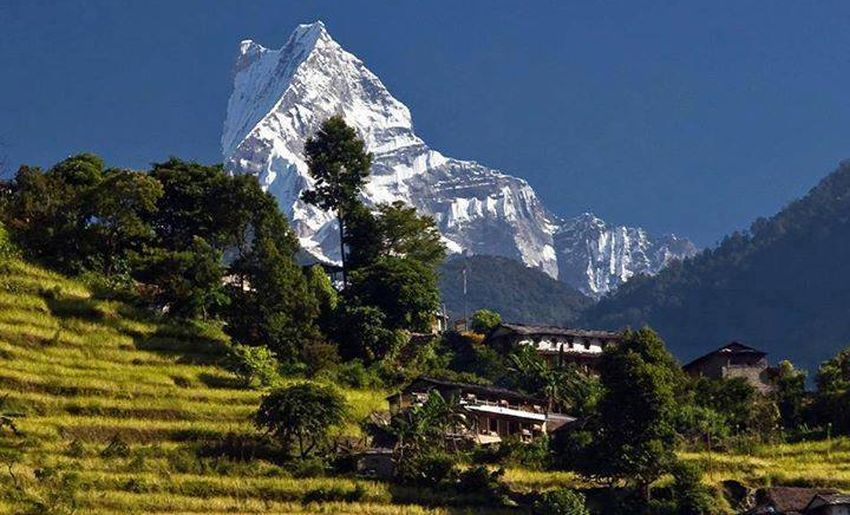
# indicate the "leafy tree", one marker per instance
pixel 254 366
pixel 301 415
pixel 691 495
pixel 561 501
pixel 790 394
pixel 270 302
pixel 202 202
pixel 339 165
pixel 833 392
pixel 188 282
pixel 733 398
pixel 361 332
pixel 122 202
pixel 484 320
pixel 395 230
pixel 564 386
pixel 406 234
pixel 47 212
pixel 403 289
pixel 635 437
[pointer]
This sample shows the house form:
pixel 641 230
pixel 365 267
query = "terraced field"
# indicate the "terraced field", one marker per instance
pixel 116 411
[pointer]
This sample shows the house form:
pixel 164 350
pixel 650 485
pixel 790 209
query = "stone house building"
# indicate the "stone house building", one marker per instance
pixel 558 345
pixel 734 360
pixel 497 412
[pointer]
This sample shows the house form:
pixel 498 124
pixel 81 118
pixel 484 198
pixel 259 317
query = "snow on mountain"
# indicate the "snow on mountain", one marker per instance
pixel 597 258
pixel 280 97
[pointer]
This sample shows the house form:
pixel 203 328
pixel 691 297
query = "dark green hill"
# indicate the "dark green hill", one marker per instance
pixel 518 293
pixel 783 286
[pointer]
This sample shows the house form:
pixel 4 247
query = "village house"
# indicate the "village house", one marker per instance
pixel 497 412
pixel 558 345
pixel 829 504
pixel 787 500
pixel 734 360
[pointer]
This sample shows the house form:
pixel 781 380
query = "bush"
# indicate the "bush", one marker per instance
pixel 512 451
pixel 356 375
pixel 319 356
pixel 335 494
pixel 484 320
pixel 311 467
pixel 7 248
pixel 479 479
pixel 561 501
pixel 432 468
pixel 692 497
pixel 253 365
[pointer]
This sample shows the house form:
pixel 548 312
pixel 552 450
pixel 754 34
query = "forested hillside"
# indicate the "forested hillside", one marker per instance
pixel 783 286
pixel 517 292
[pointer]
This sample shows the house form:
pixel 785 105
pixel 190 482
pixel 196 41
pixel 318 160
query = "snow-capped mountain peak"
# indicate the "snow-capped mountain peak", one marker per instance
pixel 280 97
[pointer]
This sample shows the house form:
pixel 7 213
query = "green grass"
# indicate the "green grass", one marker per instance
pixel 818 463
pixel 82 371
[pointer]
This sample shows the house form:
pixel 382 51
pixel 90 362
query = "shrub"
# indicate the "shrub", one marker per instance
pixel 311 467
pixel 484 320
pixel 117 448
pixel 253 365
pixel 335 494
pixel 319 356
pixel 301 415
pixel 479 479
pixel 561 501
pixel 691 496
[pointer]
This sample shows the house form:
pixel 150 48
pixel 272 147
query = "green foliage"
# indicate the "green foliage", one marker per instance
pixel 561 501
pixel 484 320
pixel 634 436
pixel 7 248
pixel 833 393
pixel 563 386
pixel 188 282
pixel 254 366
pixel 735 399
pixel 362 333
pixel 691 495
pixel 270 301
pixel 403 289
pixel 78 216
pixel 516 292
pixel 338 165
pixel 790 395
pixel 320 357
pixel 698 424
pixel 301 415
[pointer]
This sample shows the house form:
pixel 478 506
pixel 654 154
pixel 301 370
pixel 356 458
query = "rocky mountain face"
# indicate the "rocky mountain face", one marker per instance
pixel 280 97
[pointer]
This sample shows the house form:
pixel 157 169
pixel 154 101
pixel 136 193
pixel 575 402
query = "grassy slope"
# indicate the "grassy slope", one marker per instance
pixel 83 370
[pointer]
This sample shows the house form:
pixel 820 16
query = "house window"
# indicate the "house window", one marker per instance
pixel 494 425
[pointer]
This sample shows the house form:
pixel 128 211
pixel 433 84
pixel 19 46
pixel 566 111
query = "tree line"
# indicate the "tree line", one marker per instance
pixel 194 242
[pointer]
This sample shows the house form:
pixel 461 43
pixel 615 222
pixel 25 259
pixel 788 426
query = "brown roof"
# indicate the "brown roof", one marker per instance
pixel 529 329
pixel 470 388
pixel 828 500
pixel 786 499
pixel 731 348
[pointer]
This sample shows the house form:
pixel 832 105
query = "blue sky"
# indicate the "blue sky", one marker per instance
pixel 685 117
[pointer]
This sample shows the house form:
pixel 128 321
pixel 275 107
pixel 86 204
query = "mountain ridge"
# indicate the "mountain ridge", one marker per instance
pixel 281 96
pixel 782 286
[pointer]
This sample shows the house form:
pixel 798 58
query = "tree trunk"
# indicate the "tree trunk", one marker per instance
pixel 342 247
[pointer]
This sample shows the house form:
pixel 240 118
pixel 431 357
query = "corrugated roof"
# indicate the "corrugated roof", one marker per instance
pixel 528 329
pixel 731 348
pixel 473 388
